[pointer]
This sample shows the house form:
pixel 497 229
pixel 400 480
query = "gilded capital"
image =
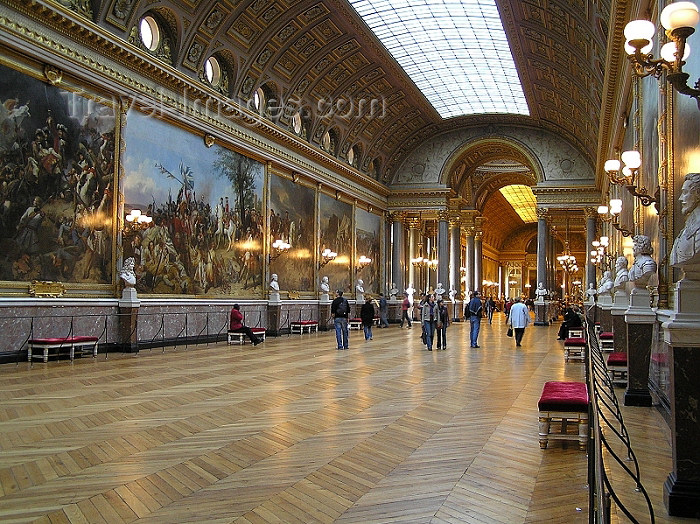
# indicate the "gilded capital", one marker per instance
pixel 413 222
pixel 590 212
pixel 396 216
pixel 469 231
pixel 443 215
pixel 542 212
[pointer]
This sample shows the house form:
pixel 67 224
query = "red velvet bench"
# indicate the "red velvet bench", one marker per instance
pixel 59 343
pixel 355 323
pixel 240 337
pixel 575 348
pixel 606 339
pixel 304 325
pixel 617 368
pixel 566 405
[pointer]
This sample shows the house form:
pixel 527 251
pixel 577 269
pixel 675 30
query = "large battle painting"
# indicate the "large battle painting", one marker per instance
pixel 57 169
pixel 207 211
pixel 292 221
pixel 336 235
pixel 368 230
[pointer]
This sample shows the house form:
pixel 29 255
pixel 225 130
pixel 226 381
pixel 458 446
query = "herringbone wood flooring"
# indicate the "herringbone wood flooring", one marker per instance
pixel 296 431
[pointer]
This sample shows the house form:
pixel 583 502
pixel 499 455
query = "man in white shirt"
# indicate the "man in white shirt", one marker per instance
pixel 518 319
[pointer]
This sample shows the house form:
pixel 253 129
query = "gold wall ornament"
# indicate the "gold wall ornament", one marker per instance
pixel 209 140
pixel 46 289
pixel 53 75
pixel 294 295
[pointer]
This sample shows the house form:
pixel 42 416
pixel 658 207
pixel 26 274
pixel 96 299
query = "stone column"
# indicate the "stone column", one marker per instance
pixel 682 336
pixel 640 321
pixel 478 272
pixel 398 255
pixel 443 252
pixel 413 234
pixel 274 317
pixel 469 284
pixel 455 251
pixel 591 217
pixel 542 246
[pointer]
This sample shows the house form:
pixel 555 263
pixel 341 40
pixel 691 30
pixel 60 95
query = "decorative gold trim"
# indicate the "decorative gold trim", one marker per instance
pixel 209 140
pixel 53 75
pixel 46 289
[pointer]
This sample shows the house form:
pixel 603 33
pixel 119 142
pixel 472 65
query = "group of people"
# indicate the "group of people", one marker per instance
pixel 340 309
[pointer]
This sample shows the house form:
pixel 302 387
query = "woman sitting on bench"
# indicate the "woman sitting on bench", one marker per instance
pixel 571 320
pixel 236 325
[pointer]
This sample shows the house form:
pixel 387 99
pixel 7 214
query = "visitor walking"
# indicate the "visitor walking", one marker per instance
pixel 429 320
pixel 383 311
pixel 474 309
pixel 443 319
pixel 367 317
pixel 405 306
pixel 339 310
pixel 519 319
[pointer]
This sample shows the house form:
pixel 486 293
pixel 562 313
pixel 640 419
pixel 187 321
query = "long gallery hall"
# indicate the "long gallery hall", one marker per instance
pixel 294 430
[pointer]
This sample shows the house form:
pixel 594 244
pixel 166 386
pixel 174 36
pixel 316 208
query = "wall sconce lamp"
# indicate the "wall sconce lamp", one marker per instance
pixel 136 221
pixel 327 255
pixel 362 262
pixel 626 176
pixel 279 247
pixel 679 19
pixel 615 210
pixel 599 255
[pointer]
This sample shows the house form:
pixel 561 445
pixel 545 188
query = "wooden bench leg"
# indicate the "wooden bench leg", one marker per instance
pixel 544 431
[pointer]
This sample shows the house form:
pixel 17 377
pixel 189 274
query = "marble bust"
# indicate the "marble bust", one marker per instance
pixel 540 292
pixel 644 266
pixel 686 246
pixel 621 274
pixel 606 284
pixel 325 287
pixel 439 290
pixel 452 293
pixel 274 284
pixel 127 273
pixel 360 287
pixel 393 291
pixel 591 292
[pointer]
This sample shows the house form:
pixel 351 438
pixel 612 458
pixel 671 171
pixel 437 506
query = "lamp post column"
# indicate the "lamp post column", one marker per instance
pixel 478 272
pixel 398 255
pixel 413 240
pixel 541 245
pixel 591 216
pixel 443 253
pixel 469 283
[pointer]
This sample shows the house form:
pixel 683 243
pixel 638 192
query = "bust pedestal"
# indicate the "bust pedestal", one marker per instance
pixel 274 314
pixel 129 306
pixel 541 317
pixel 640 330
pixel 324 315
pixel 682 336
pixel 619 327
pixel 605 303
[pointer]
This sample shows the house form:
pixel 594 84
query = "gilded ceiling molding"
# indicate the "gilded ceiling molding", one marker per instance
pixel 567 197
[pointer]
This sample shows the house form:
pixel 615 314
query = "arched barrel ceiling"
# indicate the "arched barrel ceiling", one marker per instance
pixel 313 50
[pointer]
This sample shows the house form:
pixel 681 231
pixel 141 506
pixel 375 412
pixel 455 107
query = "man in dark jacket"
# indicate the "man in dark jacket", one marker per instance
pixel 474 310
pixel 340 309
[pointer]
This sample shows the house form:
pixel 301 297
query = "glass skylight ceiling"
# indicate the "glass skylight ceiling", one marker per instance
pixel 523 201
pixel 455 51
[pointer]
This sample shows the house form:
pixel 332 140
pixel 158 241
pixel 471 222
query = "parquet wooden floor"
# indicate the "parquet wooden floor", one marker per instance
pixel 296 431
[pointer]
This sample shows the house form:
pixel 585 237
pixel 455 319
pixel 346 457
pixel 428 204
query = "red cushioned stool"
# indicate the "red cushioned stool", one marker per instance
pixel 240 337
pixel 606 339
pixel 355 323
pixel 564 405
pixel 575 349
pixel 304 325
pixel 617 368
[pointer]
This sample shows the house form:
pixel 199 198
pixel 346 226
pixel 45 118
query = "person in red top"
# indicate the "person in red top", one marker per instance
pixel 236 325
pixel 405 306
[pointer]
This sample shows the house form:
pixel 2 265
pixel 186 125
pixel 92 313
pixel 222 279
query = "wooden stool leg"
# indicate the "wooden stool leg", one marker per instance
pixel 544 431
pixel 583 434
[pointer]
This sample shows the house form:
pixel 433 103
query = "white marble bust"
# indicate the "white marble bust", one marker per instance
pixel 686 247
pixel 606 283
pixel 360 287
pixel 591 292
pixel 440 290
pixel 274 284
pixel 393 291
pixel 644 266
pixel 540 292
pixel 127 273
pixel 452 293
pixel 621 274
pixel 325 287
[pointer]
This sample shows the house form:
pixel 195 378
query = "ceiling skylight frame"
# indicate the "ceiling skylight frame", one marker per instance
pixel 465 67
